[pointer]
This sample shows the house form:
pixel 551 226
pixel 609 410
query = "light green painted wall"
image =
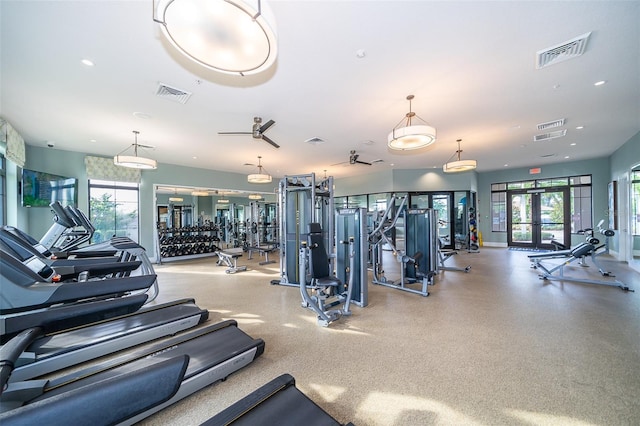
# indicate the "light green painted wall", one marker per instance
pixel 622 161
pixel 391 180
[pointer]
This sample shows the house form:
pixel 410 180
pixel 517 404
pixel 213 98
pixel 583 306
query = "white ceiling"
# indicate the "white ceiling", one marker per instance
pixel 470 65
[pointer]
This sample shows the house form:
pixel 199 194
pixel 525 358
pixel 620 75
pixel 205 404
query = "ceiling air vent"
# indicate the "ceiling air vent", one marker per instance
pixel 563 51
pixel 171 93
pixel 551 124
pixel 550 135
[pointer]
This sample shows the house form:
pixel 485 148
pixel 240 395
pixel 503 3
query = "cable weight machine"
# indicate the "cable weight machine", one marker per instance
pixel 302 200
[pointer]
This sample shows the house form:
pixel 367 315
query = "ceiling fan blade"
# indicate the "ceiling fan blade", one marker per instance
pixel 266 139
pixel 362 162
pixel 235 133
pixel 377 161
pixel 266 125
pixel 339 164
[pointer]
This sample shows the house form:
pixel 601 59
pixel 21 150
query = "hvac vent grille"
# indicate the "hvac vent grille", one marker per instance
pixel 562 52
pixel 550 135
pixel 168 92
pixel 551 124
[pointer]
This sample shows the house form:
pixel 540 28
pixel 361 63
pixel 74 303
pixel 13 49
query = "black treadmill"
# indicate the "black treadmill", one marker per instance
pixel 55 351
pixel 214 352
pixel 63 269
pixel 278 402
pixel 24 290
pixel 107 402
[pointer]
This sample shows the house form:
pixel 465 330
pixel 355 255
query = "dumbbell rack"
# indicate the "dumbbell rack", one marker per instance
pixel 185 243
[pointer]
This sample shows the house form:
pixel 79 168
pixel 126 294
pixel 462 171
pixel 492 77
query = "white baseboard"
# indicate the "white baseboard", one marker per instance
pixel 492 244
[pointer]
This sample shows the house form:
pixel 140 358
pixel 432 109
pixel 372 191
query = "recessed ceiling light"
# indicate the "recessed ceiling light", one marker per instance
pixel 142 115
pixel 360 53
pixel 87 62
pixel 579 127
pixel 599 83
pixel 392 164
pixel 573 144
pixel 195 158
pixel 506 165
pixel 93 140
pixel 566 156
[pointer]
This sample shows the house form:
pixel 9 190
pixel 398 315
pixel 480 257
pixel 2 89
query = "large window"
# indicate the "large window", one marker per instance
pixel 113 209
pixel 498 208
pixel 579 188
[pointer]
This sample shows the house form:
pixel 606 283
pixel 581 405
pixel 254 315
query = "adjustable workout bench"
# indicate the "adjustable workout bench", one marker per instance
pixel 229 257
pixel 264 249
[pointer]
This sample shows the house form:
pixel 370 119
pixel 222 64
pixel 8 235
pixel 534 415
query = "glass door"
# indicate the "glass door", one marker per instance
pixel 520 217
pixel 442 205
pixel 537 217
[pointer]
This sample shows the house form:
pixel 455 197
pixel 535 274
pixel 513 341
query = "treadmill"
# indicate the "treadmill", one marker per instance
pixel 26 301
pixel 44 354
pixel 63 269
pixel 214 351
pixel 278 402
pixel 107 402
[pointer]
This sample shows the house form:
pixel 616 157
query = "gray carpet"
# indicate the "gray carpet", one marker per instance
pixel 496 346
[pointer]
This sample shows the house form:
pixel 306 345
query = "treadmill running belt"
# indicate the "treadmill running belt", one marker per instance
pixel 278 402
pixel 214 353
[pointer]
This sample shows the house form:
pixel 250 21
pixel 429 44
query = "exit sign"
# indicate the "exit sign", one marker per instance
pixel 535 171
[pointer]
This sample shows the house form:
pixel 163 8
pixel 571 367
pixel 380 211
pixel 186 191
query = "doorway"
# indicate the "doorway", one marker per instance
pixel 538 216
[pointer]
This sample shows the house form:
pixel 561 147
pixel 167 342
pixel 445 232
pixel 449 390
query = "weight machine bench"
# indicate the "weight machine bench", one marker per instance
pixel 263 250
pixel 229 257
pixel 577 254
pixel 444 254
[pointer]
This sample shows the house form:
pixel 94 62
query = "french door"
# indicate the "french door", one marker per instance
pixel 537 216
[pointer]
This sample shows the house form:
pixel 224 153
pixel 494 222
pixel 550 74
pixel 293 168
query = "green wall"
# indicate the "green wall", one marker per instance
pixel 622 161
pixel 391 180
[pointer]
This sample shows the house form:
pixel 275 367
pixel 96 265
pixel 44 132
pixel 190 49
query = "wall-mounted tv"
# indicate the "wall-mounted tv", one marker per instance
pixel 40 189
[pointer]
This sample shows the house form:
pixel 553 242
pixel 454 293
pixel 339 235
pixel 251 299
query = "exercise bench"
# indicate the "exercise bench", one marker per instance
pixel 229 257
pixel 263 249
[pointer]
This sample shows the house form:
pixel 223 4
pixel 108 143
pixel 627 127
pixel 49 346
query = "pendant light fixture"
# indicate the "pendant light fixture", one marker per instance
pixel 411 136
pixel 228 36
pixel 459 165
pixel 255 197
pixel 261 176
pixel 134 161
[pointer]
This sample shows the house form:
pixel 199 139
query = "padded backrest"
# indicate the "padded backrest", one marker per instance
pixel 319 262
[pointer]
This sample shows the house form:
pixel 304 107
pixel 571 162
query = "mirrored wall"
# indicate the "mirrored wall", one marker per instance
pixel 193 222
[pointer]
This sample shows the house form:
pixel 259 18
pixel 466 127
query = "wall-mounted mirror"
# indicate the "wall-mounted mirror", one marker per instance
pixel 194 221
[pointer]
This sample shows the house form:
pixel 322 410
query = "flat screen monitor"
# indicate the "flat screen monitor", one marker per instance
pixel 40 189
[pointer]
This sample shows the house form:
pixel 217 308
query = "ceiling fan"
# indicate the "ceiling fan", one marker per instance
pixel 354 159
pixel 257 132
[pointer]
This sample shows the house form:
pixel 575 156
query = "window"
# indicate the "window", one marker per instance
pixel 113 209
pixel 499 211
pixel 580 207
